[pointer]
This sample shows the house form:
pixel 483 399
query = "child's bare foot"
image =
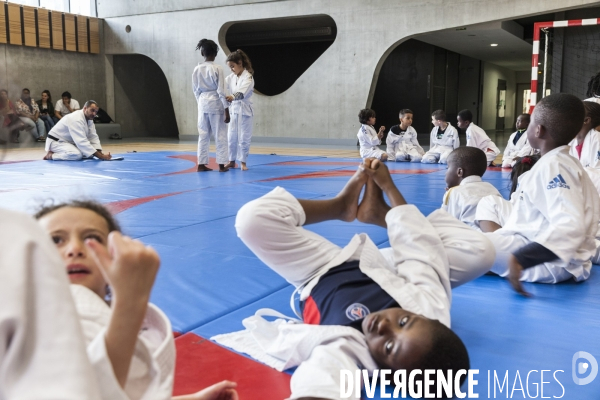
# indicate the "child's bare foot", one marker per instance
pixel 223 168
pixel 203 168
pixel 231 164
pixel 244 167
pixel 373 208
pixel 48 155
pixel 348 196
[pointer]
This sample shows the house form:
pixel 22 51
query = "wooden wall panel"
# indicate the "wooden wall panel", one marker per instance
pixel 3 37
pixel 14 23
pixel 70 35
pixel 29 30
pixel 94 35
pixel 57 30
pixel 82 34
pixel 43 23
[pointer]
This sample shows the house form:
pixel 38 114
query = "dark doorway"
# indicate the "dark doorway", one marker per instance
pixel 500 105
pixel 405 81
pixel 281 49
pixel 142 98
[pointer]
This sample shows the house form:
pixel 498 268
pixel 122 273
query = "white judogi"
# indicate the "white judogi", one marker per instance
pixel 461 201
pixel 476 137
pixel 440 149
pixel 42 353
pixel 493 208
pixel 239 132
pixel 513 149
pixel 208 85
pixel 368 140
pixel 594 99
pixel 403 146
pixel 526 150
pixel 77 138
pixel 557 206
pixel 428 256
pixel 590 152
pixel 153 364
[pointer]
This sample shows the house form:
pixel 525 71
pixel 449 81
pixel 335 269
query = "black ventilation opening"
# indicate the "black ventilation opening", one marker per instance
pixel 281 49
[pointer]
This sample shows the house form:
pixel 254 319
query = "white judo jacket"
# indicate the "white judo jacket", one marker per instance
pixel 153 364
pixel 476 137
pixel 590 152
pixel 557 206
pixel 405 143
pixel 418 279
pixel 512 150
pixel 461 201
pixel 42 352
pixel 208 85
pixel 241 88
pixel 368 140
pixel 449 141
pixel 76 129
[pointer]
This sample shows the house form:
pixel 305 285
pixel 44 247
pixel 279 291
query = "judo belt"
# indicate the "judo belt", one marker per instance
pixel 53 137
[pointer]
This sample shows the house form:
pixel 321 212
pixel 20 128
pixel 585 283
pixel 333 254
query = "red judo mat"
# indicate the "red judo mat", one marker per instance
pixel 195 370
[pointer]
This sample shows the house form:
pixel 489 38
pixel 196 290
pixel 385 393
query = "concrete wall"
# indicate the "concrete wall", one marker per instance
pixel 491 74
pixel 57 71
pixel 324 101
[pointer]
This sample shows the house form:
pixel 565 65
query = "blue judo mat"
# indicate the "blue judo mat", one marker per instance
pixel 209 281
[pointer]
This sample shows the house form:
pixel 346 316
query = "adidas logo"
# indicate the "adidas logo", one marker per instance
pixel 558 182
pixel 598 156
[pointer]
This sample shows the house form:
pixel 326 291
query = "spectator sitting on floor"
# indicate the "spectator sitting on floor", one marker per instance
pixel 10 121
pixel 65 106
pixel 47 110
pixel 29 113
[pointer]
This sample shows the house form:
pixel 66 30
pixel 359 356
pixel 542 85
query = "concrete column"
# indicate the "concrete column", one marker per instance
pixel 110 86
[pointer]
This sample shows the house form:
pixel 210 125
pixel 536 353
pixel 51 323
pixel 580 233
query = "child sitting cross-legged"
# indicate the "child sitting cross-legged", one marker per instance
pixel 550 234
pixel 466 166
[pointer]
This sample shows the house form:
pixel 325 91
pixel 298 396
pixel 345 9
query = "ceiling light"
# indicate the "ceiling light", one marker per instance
pixel 539 63
pixel 494 44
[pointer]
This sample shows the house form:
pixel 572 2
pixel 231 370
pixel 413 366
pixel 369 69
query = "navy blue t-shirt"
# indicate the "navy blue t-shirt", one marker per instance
pixel 344 296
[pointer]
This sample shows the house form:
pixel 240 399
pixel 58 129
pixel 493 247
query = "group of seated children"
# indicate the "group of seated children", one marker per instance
pixel 402 143
pixel 389 308
pixel 547 231
pixel 361 305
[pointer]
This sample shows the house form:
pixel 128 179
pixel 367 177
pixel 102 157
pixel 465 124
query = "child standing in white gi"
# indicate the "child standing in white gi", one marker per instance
pixel 476 137
pixel 466 166
pixel 444 139
pixel 368 139
pixel 550 234
pixel 208 85
pixel 516 141
pixel 129 341
pixel 240 86
pixel 402 143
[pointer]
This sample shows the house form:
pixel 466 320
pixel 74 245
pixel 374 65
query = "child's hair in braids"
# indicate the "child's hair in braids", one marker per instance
pixel 594 86
pixel 207 47
pixel 238 57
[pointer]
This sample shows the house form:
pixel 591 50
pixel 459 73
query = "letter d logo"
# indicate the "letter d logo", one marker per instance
pixel 582 367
